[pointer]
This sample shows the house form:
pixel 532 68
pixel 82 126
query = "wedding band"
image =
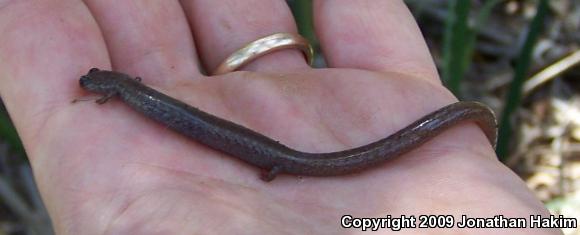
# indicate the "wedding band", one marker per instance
pixel 263 46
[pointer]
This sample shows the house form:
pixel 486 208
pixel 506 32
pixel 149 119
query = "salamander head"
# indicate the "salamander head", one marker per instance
pixel 102 81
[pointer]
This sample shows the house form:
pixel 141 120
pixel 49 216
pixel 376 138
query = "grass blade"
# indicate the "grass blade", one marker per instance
pixel 513 98
pixel 454 41
pixel 9 135
pixel 302 10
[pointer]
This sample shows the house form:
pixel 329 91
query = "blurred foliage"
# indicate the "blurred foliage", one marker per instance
pixel 302 11
pixel 9 135
pixel 456 45
pixel 513 99
pixel 459 41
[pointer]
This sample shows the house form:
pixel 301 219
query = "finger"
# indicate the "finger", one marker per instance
pixel 222 27
pixel 373 35
pixel 147 38
pixel 45 46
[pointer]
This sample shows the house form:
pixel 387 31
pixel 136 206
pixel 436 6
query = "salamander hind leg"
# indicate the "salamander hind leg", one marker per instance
pixel 271 174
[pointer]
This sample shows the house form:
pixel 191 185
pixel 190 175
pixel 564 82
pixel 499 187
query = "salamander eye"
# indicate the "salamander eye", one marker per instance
pixel 93 70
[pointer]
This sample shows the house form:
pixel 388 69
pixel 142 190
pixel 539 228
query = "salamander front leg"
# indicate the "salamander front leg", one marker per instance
pixel 106 98
pixel 270 175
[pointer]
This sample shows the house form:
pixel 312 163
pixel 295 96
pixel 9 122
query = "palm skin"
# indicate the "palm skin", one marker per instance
pixel 104 169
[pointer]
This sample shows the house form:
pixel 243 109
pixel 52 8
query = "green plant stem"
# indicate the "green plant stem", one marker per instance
pixel 513 98
pixel 8 133
pixel 302 10
pixel 454 41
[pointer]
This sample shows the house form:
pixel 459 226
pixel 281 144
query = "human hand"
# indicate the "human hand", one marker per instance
pixel 106 169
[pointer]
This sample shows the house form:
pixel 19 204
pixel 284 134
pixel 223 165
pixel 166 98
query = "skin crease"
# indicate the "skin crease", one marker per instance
pixel 107 170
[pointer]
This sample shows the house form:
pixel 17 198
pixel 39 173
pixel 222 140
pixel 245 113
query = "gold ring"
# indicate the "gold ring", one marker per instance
pixel 262 46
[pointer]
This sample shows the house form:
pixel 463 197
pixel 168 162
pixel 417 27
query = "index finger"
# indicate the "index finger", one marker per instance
pixel 372 35
pixel 44 48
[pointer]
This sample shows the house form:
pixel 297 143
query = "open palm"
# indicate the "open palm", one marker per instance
pixel 104 169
